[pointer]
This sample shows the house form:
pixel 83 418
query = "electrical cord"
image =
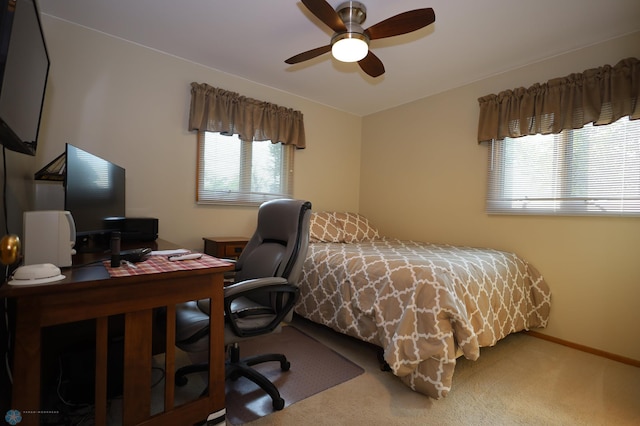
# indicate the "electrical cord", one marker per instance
pixel 7 268
pixel 6 355
pixel 59 387
pixel 92 263
pixel 4 189
pixel 79 413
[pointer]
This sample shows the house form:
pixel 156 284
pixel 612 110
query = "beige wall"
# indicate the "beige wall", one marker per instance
pixel 130 105
pixel 424 177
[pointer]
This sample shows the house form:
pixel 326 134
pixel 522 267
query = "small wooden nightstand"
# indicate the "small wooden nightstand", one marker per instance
pixel 224 247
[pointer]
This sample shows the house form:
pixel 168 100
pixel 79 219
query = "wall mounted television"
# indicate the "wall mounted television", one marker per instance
pixel 94 191
pixel 24 68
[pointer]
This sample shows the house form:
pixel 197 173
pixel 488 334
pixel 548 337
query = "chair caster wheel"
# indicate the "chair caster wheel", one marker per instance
pixel 181 380
pixel 278 404
pixel 285 366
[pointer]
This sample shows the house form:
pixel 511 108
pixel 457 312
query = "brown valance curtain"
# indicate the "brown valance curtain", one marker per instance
pixel 218 110
pixel 600 96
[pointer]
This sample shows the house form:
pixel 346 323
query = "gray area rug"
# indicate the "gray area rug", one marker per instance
pixel 314 368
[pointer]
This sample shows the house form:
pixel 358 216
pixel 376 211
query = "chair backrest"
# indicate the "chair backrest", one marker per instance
pixel 279 245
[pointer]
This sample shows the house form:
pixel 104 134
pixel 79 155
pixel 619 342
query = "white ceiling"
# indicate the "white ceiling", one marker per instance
pixel 470 40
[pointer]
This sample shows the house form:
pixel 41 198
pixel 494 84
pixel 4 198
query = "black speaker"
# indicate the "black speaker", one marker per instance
pixel 136 228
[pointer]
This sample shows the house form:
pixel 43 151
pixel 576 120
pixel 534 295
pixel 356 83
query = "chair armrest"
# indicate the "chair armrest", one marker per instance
pixel 247 285
pixel 283 297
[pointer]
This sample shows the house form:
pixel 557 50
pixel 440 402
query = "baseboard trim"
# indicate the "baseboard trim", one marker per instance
pixel 587 349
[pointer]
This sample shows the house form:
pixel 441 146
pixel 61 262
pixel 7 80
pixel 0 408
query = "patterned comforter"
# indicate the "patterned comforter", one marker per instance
pixel 422 303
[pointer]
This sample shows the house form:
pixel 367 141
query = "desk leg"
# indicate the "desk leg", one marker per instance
pixel 26 362
pixel 170 359
pixel 137 366
pixel 216 354
pixel 102 347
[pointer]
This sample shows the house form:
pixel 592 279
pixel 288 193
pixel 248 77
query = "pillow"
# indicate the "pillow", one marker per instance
pixel 324 228
pixel 356 228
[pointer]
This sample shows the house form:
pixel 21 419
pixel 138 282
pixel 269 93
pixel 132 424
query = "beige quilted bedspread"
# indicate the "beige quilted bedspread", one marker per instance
pixel 422 303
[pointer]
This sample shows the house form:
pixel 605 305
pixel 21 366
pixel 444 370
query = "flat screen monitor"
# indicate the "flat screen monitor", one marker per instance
pixel 94 191
pixel 24 68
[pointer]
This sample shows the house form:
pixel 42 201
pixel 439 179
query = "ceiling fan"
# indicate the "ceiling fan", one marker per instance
pixel 350 42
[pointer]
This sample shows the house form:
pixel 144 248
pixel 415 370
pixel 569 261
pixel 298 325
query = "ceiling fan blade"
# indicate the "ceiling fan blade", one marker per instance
pixel 372 65
pixel 323 11
pixel 402 23
pixel 309 54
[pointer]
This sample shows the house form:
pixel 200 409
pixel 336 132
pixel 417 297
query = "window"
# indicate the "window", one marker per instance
pixel 594 170
pixel 231 171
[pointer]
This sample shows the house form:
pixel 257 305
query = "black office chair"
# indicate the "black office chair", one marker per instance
pixel 261 297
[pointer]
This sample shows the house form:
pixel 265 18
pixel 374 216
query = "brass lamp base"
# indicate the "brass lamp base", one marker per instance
pixel 9 249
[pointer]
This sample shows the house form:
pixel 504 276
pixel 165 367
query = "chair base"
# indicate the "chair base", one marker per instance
pixel 236 368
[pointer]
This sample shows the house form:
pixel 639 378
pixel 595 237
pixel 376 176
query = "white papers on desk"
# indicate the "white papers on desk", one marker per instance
pixel 169 252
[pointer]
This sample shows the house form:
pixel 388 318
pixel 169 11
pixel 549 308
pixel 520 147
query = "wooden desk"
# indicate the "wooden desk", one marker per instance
pixel 90 293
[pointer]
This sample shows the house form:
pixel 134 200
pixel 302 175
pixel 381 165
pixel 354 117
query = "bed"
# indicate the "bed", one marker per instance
pixel 423 304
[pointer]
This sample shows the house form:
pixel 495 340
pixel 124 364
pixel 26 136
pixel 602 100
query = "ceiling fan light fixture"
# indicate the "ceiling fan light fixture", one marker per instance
pixel 350 47
pixel 350 42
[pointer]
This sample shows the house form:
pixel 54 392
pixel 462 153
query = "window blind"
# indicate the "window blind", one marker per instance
pixel 232 171
pixel 594 170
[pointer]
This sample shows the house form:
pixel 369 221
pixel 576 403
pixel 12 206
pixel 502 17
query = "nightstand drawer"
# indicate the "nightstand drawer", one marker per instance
pixel 234 249
pixel 224 247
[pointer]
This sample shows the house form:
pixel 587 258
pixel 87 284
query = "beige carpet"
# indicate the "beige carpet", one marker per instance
pixel 521 381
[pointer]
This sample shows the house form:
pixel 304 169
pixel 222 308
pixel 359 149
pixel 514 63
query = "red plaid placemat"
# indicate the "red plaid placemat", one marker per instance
pixel 156 264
